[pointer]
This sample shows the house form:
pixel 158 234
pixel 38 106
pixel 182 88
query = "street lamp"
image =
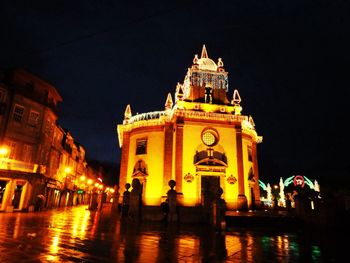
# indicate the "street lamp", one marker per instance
pixel 3 151
pixel 3 155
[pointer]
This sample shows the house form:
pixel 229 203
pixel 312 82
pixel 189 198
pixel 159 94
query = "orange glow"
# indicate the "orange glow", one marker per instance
pixel 54 246
pixel 89 181
pixel 3 151
pixel 146 254
pixel 67 170
pixel 82 178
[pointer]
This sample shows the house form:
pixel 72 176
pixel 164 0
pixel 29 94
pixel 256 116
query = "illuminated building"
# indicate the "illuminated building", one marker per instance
pixel 35 152
pixel 27 120
pixel 201 140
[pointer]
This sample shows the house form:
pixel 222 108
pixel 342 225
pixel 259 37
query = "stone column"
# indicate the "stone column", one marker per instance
pixel 125 201
pixel 219 211
pixel 135 201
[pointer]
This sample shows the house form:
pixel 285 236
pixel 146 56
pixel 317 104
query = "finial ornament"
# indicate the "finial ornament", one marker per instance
pixel 220 63
pixel 127 113
pixel 195 59
pixel 236 98
pixel 204 52
pixel 316 186
pixel 169 102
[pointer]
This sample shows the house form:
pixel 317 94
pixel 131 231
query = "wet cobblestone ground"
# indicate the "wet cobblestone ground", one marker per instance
pixel 76 234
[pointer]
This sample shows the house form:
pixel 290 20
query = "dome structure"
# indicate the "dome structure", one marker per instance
pixel 207 64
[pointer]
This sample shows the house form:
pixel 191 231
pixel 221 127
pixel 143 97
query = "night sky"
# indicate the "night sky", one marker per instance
pixel 288 59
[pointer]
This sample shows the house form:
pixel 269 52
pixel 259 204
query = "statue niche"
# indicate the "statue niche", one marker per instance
pixel 140 170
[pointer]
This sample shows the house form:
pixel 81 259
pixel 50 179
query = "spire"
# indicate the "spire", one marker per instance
pixel 204 52
pixel 169 102
pixel 251 121
pixel 179 91
pixel 127 113
pixel 236 100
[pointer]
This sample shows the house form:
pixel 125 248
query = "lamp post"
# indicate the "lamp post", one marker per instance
pixel 89 183
pixel 275 194
pixel 68 180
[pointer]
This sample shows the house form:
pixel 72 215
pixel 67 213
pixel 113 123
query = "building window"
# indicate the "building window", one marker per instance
pixel 250 155
pixel 141 146
pixel 12 146
pixel 27 153
pixel 18 113
pixel 33 118
pixel 48 126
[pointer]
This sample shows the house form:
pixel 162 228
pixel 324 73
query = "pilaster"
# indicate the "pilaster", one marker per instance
pixel 124 163
pixel 168 156
pixel 256 175
pixel 178 157
pixel 241 199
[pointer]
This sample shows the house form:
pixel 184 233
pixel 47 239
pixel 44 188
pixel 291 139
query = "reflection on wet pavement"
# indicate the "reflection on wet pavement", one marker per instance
pixel 78 235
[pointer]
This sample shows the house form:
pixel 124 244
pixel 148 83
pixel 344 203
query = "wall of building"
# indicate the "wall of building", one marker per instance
pixel 154 159
pixel 226 144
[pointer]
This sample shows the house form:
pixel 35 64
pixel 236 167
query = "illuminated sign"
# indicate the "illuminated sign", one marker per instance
pixel 80 192
pixel 299 180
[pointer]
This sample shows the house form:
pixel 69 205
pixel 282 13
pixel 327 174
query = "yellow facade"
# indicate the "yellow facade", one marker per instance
pixel 202 141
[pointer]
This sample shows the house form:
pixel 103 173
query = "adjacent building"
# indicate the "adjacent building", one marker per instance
pixel 38 158
pixel 200 139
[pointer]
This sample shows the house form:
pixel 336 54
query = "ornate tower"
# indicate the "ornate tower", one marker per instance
pixel 201 140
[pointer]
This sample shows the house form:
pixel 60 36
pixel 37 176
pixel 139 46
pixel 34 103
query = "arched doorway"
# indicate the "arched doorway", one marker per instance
pixel 140 173
pixel 211 168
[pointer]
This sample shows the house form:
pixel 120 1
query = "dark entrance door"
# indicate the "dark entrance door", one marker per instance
pixel 209 189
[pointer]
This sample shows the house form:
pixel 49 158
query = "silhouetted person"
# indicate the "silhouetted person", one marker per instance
pixel 39 203
pixel 172 216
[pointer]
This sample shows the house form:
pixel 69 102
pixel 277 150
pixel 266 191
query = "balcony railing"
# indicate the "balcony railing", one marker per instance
pixel 15 165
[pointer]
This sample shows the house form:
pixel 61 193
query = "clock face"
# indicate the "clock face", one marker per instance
pixel 209 137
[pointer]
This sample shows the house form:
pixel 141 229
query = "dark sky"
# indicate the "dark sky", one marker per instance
pixel 288 59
